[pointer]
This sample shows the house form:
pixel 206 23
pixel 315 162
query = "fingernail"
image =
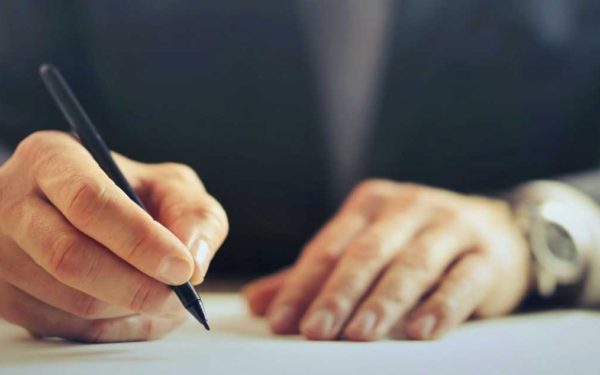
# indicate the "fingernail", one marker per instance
pixel 174 270
pixel 364 324
pixel 281 317
pixel 200 253
pixel 320 323
pixel 424 326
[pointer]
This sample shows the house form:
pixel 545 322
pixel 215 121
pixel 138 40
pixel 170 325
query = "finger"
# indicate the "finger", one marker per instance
pixel 179 201
pixel 312 270
pixel 70 178
pixel 319 258
pixel 40 319
pixel 83 264
pixel 454 301
pixel 358 269
pixel 29 277
pixel 260 293
pixel 46 321
pixel 133 328
pixel 409 276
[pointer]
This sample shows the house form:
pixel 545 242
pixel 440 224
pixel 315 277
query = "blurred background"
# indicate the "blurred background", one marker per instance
pixel 282 106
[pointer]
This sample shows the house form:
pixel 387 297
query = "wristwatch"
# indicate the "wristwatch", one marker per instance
pixel 558 232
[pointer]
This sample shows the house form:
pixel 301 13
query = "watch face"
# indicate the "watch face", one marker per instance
pixel 556 234
pixel 560 243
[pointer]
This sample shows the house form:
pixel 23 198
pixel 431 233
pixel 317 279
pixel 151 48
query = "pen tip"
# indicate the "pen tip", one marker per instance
pixel 198 312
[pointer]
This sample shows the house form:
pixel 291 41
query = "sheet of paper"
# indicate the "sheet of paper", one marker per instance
pixel 550 343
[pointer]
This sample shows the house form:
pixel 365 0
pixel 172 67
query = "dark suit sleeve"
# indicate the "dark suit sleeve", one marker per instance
pixel 587 182
pixel 4 154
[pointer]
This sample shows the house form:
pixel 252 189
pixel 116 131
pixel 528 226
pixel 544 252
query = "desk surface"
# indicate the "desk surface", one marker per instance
pixel 549 343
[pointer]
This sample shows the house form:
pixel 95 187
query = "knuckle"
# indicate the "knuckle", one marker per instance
pixel 370 187
pixel 222 215
pixel 44 160
pixel 367 186
pixel 86 307
pixel 216 213
pixel 63 260
pixel 369 196
pixel 337 303
pixel 366 247
pixel 85 198
pixel 410 187
pixel 180 171
pixel 415 193
pixel 417 262
pixel 175 209
pixel 34 145
pixel 137 241
pixel 446 216
pixel 142 299
pixel 39 150
pixel 345 289
pixel 326 257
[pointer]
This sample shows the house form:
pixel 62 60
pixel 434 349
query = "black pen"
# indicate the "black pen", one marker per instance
pixel 83 127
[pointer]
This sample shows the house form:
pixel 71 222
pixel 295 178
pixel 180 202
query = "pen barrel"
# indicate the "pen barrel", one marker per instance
pixel 186 293
pixel 84 129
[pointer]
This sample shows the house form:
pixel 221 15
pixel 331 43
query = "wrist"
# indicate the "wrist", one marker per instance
pixel 559 224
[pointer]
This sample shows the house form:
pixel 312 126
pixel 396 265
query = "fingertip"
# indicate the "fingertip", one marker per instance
pixel 175 270
pixel 319 325
pixel 197 278
pixel 252 301
pixel 200 252
pixel 356 335
pixel 260 293
pixel 363 327
pixel 282 320
pixel 422 327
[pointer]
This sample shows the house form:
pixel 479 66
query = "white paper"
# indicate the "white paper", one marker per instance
pixel 558 342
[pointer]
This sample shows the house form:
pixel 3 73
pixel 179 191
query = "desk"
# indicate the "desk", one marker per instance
pixel 557 342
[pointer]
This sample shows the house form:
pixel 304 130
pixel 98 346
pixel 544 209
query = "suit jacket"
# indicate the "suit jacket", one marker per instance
pixel 477 95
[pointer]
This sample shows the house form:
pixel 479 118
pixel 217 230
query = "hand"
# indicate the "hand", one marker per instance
pixel 400 260
pixel 80 260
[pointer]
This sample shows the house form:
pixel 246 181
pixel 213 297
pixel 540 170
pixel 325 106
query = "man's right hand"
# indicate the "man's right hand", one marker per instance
pixel 80 260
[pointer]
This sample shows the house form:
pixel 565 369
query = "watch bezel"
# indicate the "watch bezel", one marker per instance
pixel 556 213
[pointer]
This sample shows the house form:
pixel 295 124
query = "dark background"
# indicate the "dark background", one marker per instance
pixel 477 96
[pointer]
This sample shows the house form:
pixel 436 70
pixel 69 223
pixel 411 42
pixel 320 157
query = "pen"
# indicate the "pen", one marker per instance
pixel 83 127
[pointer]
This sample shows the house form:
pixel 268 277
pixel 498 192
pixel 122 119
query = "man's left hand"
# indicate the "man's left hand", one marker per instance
pixel 402 260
